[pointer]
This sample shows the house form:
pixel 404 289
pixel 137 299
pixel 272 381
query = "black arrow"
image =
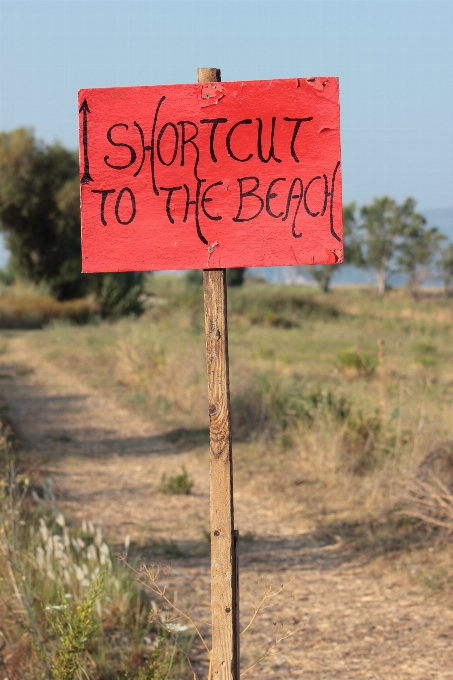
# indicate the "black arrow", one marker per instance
pixel 86 166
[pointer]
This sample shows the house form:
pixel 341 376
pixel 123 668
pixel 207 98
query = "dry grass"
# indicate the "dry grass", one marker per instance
pixel 303 403
pixel 22 307
pixel 430 502
pixel 323 460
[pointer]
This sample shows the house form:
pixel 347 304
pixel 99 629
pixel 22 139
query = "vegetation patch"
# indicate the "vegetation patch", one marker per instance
pixel 23 308
pixel 179 483
pixel 356 363
pixel 68 607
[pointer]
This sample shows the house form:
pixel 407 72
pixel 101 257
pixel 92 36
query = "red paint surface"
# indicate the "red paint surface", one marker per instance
pixel 162 234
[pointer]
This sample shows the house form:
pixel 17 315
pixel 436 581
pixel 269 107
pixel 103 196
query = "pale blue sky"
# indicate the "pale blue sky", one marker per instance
pixel 394 60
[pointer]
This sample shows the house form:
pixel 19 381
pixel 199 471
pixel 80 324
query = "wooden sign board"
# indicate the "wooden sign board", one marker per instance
pixel 234 174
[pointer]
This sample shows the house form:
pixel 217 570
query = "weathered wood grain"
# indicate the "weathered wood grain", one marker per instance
pixel 224 555
pixel 224 569
pixel 208 75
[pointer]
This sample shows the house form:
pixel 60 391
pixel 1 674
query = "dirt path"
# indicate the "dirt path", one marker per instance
pixel 355 620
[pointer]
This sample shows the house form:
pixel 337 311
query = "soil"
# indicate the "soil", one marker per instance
pixel 354 617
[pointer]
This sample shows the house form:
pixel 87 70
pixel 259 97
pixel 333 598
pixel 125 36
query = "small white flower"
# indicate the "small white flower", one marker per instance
pixel 40 557
pixel 63 562
pixel 127 542
pixel 91 553
pixel 106 560
pixel 98 537
pixel 57 606
pixel 79 573
pixel 43 530
pixel 84 526
pixel 177 627
pixel 104 550
pixel 56 540
pixel 91 528
pixel 60 520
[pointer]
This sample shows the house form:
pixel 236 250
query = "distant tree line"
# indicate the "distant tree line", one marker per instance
pixel 385 238
pixel 40 219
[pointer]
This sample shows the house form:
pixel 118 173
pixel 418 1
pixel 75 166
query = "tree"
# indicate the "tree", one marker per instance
pixel 39 212
pixel 323 275
pixel 40 217
pixel 445 267
pixel 235 276
pixel 416 251
pixel 352 243
pixel 384 224
pixel 352 251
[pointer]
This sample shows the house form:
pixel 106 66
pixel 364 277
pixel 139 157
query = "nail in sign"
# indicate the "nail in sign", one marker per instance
pixel 244 174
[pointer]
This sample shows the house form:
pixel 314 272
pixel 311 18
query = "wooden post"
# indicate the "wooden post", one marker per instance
pixel 224 564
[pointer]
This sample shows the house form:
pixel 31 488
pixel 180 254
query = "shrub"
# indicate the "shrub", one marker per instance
pixel 266 406
pixel 117 294
pixel 359 443
pixel 176 484
pixel 277 307
pixel 357 363
pixel 425 354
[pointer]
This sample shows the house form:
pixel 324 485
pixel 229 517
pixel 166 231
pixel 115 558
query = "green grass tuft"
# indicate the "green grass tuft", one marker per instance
pixel 176 484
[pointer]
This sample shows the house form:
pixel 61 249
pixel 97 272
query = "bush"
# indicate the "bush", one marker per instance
pixel 277 307
pixel 235 276
pixel 357 363
pixel 176 484
pixel 266 406
pixel 117 294
pixel 359 443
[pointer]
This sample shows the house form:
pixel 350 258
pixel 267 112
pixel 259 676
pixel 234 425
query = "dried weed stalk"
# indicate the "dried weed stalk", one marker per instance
pixel 151 576
pixel 430 502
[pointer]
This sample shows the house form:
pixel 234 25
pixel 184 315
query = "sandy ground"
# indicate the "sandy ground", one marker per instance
pixel 355 618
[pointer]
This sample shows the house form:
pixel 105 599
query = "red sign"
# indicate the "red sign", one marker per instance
pixel 242 174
